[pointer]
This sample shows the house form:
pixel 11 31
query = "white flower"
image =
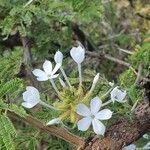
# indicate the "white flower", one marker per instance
pixel 93 116
pixel 118 95
pixel 130 147
pixel 146 136
pixel 31 97
pixel 54 121
pixel 48 73
pixel 147 146
pixel 58 57
pixel 78 54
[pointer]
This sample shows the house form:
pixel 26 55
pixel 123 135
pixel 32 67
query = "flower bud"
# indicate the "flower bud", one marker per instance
pixel 58 57
pixel 78 54
pixel 95 80
pixel 54 121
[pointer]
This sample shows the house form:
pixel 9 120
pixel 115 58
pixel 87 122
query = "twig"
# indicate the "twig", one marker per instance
pixel 53 130
pixel 113 59
pixel 102 54
pixel 28 61
pixel 139 74
pixel 124 50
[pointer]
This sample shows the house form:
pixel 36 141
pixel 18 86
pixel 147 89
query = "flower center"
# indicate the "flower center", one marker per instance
pixel 92 116
pixel 116 97
pixel 48 75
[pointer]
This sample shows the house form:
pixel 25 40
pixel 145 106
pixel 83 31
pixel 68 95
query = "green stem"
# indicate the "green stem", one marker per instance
pixel 106 94
pixel 80 74
pixel 46 105
pixel 106 103
pixel 65 76
pixel 55 88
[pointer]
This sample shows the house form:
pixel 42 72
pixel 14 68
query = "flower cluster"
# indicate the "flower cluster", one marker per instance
pixel 72 101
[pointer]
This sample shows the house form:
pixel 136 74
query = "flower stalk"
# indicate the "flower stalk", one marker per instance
pixel 55 88
pixel 106 103
pixel 80 75
pixel 62 83
pixel 65 76
pixel 46 105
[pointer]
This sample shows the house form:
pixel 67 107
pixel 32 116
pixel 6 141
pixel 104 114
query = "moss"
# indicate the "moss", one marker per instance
pixel 141 55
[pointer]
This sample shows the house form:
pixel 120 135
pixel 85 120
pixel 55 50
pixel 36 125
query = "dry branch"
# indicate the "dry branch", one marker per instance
pixel 53 130
pixel 28 61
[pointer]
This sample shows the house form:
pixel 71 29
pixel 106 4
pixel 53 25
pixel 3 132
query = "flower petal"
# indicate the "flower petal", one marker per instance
pixel 54 76
pixel 33 90
pixel 29 105
pixel 47 66
pixel 78 54
pixel 147 146
pixel 38 73
pixel 118 95
pixel 130 147
pixel 95 105
pixel 146 136
pixel 28 96
pixel 31 95
pixel 104 114
pixel 58 65
pixel 84 123
pixel 44 78
pixel 83 110
pixel 98 127
pixel 58 57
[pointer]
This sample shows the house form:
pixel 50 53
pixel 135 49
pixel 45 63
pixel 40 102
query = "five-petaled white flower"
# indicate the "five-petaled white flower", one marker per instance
pixel 146 136
pixel 58 57
pixel 118 95
pixel 31 97
pixel 48 72
pixel 78 54
pixel 93 116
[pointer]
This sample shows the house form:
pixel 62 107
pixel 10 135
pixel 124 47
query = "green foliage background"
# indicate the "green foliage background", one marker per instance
pixel 48 26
